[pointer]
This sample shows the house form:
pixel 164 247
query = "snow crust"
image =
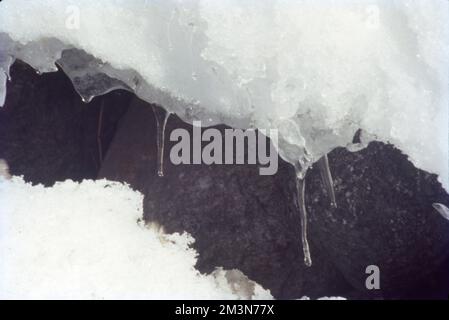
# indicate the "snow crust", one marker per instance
pixel 86 241
pixel 316 70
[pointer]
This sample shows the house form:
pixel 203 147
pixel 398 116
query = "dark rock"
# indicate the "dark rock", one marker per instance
pixel 48 134
pixel 238 218
pixel 246 221
pixel 385 218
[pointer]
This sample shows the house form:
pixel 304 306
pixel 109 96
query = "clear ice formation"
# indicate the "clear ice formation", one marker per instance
pixel 326 68
pixel 2 88
pixel 300 188
pixel 87 74
pixel 326 177
pixel 6 60
pixel 161 123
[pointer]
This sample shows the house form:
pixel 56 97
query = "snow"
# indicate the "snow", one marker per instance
pixel 86 241
pixel 442 209
pixel 316 70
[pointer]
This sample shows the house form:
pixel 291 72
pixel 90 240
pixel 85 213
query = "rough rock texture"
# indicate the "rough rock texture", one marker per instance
pixel 239 218
pixel 243 220
pixel 385 217
pixel 48 134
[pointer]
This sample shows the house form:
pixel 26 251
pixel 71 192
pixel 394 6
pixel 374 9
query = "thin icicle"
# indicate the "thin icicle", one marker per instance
pixel 300 188
pixel 3 78
pixel 326 177
pixel 5 63
pixel 161 122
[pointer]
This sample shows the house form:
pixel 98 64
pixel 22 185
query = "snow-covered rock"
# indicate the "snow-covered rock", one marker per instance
pixel 316 70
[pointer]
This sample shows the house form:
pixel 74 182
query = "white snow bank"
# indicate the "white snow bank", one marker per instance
pixel 318 70
pixel 84 241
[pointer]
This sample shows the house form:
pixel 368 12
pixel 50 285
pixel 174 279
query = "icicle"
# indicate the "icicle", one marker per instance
pixel 326 177
pixel 301 168
pixel 89 75
pixel 300 188
pixel 161 122
pixel 5 63
pixel 3 78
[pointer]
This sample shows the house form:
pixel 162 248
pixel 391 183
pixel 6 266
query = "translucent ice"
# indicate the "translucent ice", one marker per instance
pixel 2 88
pixel 317 70
pixel 326 178
pixel 6 60
pixel 161 124
pixel 300 188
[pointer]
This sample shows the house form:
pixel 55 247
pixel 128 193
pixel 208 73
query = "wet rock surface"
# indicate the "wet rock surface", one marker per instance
pixel 241 219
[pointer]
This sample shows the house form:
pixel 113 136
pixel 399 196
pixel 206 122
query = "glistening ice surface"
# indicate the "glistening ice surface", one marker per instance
pixel 316 70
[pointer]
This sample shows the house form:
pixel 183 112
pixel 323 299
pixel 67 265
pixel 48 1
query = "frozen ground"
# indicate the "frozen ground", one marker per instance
pixel 86 241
